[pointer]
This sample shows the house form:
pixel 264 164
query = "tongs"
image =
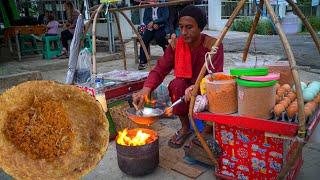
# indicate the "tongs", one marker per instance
pixel 180 100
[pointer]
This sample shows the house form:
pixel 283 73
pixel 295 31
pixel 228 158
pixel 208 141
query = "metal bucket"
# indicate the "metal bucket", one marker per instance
pixel 139 160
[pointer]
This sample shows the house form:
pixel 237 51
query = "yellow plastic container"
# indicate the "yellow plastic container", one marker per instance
pixel 222 96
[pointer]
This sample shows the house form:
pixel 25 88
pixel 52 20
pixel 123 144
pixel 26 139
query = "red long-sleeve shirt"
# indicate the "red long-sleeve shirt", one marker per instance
pixel 166 63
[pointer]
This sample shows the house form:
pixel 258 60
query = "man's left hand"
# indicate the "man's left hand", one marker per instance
pixel 155 26
pixel 173 39
pixel 188 93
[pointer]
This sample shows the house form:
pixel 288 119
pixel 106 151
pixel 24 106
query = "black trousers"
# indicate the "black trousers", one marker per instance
pixel 65 36
pixel 160 37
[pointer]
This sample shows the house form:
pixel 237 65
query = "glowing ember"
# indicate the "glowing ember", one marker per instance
pixel 138 140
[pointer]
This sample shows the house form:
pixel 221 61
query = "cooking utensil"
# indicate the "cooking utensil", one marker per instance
pixel 147 116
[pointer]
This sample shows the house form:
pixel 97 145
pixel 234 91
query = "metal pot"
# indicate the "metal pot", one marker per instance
pixel 139 160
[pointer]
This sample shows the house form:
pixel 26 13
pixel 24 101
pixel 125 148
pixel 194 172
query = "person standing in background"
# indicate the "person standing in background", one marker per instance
pixel 67 34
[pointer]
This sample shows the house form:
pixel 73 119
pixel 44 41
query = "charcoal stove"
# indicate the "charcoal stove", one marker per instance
pixel 138 160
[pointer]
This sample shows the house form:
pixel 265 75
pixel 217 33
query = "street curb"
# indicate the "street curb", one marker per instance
pixel 63 64
pixel 8 81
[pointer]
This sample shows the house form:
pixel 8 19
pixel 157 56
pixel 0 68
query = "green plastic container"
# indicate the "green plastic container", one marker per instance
pixel 249 71
pixel 256 99
pixel 246 83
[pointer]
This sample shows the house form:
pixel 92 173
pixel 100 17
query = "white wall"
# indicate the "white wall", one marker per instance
pixel 214 15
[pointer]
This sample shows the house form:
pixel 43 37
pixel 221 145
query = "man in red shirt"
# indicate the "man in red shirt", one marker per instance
pixel 186 56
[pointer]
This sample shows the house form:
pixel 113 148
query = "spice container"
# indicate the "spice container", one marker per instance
pixel 256 99
pixel 222 93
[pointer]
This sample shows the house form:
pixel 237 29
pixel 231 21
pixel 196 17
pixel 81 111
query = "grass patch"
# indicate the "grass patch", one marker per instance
pixel 314 22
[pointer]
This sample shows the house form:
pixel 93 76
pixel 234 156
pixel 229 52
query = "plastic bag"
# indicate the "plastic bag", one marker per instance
pixel 161 95
pixel 83 70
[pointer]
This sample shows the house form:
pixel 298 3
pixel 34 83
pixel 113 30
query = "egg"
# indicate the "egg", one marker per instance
pixel 312 89
pixel 307 112
pixel 286 87
pixel 311 105
pixel 303 86
pixel 294 104
pixel 291 111
pixel 308 95
pixel 284 103
pixel 314 86
pixel 287 99
pixel 278 109
pixel 277 99
pixel 292 96
pixel 281 91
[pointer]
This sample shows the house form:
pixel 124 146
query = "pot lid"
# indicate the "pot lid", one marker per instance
pixel 249 71
pixel 269 77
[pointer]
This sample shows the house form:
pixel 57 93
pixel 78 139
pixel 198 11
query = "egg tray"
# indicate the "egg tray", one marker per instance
pixel 284 117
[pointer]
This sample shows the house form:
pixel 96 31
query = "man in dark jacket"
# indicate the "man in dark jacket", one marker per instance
pixel 155 19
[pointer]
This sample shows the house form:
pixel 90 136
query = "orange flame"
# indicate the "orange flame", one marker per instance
pixel 149 101
pixel 138 140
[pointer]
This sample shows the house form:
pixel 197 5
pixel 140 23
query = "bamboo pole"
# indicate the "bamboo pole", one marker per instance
pixel 252 31
pixel 87 25
pixel 306 23
pixel 201 75
pixel 94 39
pixel 123 51
pixel 292 62
pixel 139 37
pixel 94 8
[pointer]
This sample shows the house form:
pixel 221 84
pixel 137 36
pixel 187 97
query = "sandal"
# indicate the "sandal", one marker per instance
pixel 180 139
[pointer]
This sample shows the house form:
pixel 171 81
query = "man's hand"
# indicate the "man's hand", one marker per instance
pixel 188 93
pixel 140 97
pixel 150 25
pixel 155 26
pixel 173 39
